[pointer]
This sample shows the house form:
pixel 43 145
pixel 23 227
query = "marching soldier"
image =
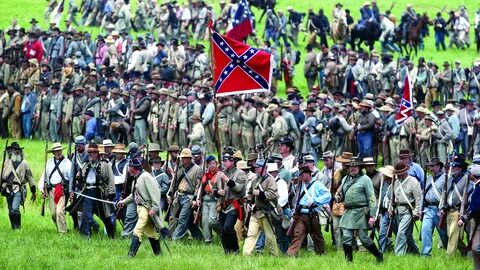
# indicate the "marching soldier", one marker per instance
pixel 42 112
pixel 182 122
pixel 14 110
pixel 16 173
pixel 431 209
pixel 358 195
pixel 187 179
pixel 229 190
pixel 457 180
pixel 146 195
pixel 153 126
pixel 279 128
pixel 55 180
pixel 97 182
pixel 309 197
pixel 406 207
pixel 236 123
pixel 473 213
pixel 79 158
pixel 263 192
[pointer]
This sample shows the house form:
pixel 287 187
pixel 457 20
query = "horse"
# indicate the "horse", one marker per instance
pixel 338 31
pixel 414 35
pixel 263 5
pixel 368 35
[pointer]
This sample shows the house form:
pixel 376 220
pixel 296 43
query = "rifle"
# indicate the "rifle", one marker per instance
pixel 377 213
pixel 443 214
pixel 69 152
pixel 45 179
pixel 3 163
pixel 197 215
pixel 332 192
pixel 392 217
pixel 297 210
pixel 462 206
pixel 172 191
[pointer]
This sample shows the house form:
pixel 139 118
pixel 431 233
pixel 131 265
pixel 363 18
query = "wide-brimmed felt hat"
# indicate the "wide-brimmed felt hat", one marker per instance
pixel 242 165
pixel 173 148
pixel 108 143
pixel 305 169
pixel 387 170
pixel 404 153
pixel 119 149
pixel 154 147
pixel 355 162
pixel 14 146
pixel 345 157
pixel 186 153
pixel 368 161
pixel 252 156
pixel 435 161
pixel 93 148
pixel 401 168
pixel 56 147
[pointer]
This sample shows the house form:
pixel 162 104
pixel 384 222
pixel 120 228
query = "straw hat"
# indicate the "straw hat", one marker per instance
pixel 119 149
pixel 387 170
pixel 56 147
pixel 186 153
pixel 345 157
pixel 242 165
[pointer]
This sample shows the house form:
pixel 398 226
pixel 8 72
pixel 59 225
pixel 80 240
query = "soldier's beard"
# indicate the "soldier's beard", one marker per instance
pixel 16 157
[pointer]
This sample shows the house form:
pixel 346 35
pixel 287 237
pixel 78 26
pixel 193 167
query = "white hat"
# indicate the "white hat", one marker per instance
pixel 272 167
pixel 108 143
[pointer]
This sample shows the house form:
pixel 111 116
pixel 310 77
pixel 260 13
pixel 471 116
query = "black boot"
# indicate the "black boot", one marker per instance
pixel 10 215
pixel 374 250
pixel 16 221
pixel 134 246
pixel 110 228
pixel 155 243
pixel 348 250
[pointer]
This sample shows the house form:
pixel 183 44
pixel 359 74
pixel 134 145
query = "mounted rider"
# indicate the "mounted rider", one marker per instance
pixel 409 16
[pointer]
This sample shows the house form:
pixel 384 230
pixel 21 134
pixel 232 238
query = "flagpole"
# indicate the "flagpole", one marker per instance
pixel 215 123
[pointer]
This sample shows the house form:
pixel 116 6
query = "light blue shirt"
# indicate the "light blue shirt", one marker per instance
pixel 454 122
pixel 417 172
pixel 317 193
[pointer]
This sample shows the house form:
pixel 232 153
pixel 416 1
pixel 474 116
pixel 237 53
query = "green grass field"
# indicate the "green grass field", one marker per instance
pixel 24 10
pixel 38 246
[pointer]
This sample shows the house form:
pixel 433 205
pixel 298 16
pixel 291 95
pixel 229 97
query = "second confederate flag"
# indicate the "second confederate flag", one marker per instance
pixel 406 105
pixel 239 68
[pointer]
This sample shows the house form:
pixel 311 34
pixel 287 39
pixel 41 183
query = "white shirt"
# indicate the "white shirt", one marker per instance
pixel 288 162
pixel 282 189
pixel 186 14
pixel 55 178
pixel 91 177
pixel 461 24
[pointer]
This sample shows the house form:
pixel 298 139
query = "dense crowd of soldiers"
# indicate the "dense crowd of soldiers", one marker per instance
pixel 264 189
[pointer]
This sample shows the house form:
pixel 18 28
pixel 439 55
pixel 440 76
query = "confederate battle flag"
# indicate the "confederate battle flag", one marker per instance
pixel 239 68
pixel 406 105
